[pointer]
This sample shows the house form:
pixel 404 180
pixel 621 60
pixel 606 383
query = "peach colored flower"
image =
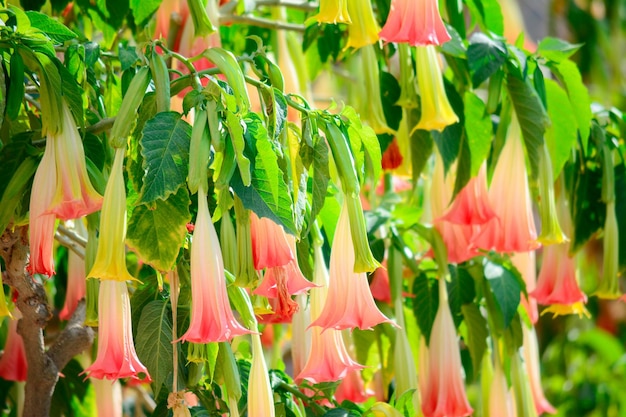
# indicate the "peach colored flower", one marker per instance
pixel 500 399
pixel 260 395
pixel 352 388
pixel 525 263
pixel 416 22
pixel 13 364
pixel 270 247
pixel 530 353
pixel 76 287
pixel 108 397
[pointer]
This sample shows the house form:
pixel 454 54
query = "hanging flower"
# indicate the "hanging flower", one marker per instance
pixel 437 113
pixel 349 303
pixel 110 263
pixel 404 364
pixel 260 395
pixel 270 247
pixel 352 388
pixel 74 196
pixel 367 90
pixel 13 364
pixel 392 158
pixel 76 287
pixel 514 228
pixel 530 352
pixel 444 393
pixel 416 22
pixel 116 351
pixel 300 336
pixel 381 291
pixel 525 264
pixel 212 318
pixel 333 11
pixel 609 284
pixel 108 397
pixel 500 399
pixel 328 358
pixel 41 221
pixel 364 30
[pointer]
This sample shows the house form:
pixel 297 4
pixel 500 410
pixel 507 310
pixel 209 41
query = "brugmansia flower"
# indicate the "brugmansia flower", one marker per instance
pixel 444 393
pixel 352 388
pixel 108 397
pixel 551 232
pixel 514 229
pixel 434 105
pixel 110 263
pixel 41 221
pixel 416 22
pixel 609 285
pixel 76 287
pixel 530 353
pixel 300 336
pixel 328 358
pixel 333 11
pixel 404 364
pixel 368 90
pixel 525 264
pixel 74 196
pixel 212 318
pixel 500 400
pixel 13 364
pixel 269 243
pixel 350 303
pixel 364 30
pixel 260 395
pixel 116 351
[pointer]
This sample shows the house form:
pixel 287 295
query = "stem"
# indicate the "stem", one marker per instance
pixel 174 287
pixel 318 410
pixel 260 22
pixel 306 6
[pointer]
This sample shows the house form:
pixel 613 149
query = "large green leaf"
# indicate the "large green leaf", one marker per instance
pixel 366 136
pixel 505 287
pixel 165 151
pixel 56 31
pixel 557 49
pixel 158 233
pixel 15 189
pixel 485 56
pixel 588 210
pixel 531 115
pixel 321 177
pixel 477 333
pixel 143 9
pixel 154 342
pixel 561 135
pixel 426 291
pixel 479 130
pixel 460 291
pixel 265 159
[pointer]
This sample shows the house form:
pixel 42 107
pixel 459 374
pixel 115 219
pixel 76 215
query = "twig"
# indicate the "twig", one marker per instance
pixel 32 101
pixel 300 5
pixel 70 244
pixel 72 235
pixel 261 22
pixel 101 125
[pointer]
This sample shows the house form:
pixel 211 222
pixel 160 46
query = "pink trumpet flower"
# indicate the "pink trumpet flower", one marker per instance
pixel 349 303
pixel 108 397
pixel 525 264
pixel 352 388
pixel 444 394
pixel 328 358
pixel 13 364
pixel 270 247
pixel 41 221
pixel 500 398
pixel 212 318
pixel 260 395
pixel 116 351
pixel 471 205
pixel 76 281
pixel 74 196
pixel 514 228
pixel 416 22
pixel 530 354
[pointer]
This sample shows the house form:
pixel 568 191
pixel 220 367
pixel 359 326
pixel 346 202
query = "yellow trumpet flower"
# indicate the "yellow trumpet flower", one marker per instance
pixel 364 30
pixel 333 11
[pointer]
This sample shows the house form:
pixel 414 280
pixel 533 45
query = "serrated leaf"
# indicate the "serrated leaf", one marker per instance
pixel 233 123
pixel 154 342
pixel 158 233
pixel 426 291
pixel 146 292
pixel 72 93
pixel 265 158
pixel 55 30
pixel 532 118
pixel 367 138
pixel 321 177
pixel 477 333
pixel 479 130
pixel 562 133
pixel 143 9
pixel 506 289
pixel 485 56
pixel 128 56
pixel 557 49
pixel 165 151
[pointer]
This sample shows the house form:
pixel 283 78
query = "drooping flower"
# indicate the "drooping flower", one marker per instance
pixel 609 283
pixel 328 359
pixel 551 232
pixel 300 336
pixel 212 318
pixel 13 364
pixel 500 400
pixel 530 353
pixel 76 281
pixel 471 206
pixel 416 22
pixel 349 303
pixel 392 158
pixel 514 228
pixel 116 350
pixel 108 397
pixel 74 196
pixel 436 110
pixel 379 286
pixel 333 11
pixel 41 221
pixel 364 30
pixel 525 263
pixel 270 247
pixel 352 388
pixel 260 395
pixel 191 45
pixel 444 393
pixel 405 368
pixel 166 11
pixel 110 263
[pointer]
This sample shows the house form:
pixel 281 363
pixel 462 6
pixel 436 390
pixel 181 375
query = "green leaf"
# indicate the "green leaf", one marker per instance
pixel 421 143
pixel 562 134
pixel 568 73
pixel 557 49
pixel 485 56
pixel 154 342
pixel 479 130
pixel 265 158
pixel 426 291
pixel 143 10
pixel 55 30
pixel 477 333
pixel 460 291
pixel 588 210
pixel 128 56
pixel 233 123
pixel 72 93
pixel 367 137
pixel 158 233
pixel 492 15
pixel 15 95
pixel 505 287
pixel 532 118
pixel 165 151
pixel 321 177
pixel 15 189
pixel 146 292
